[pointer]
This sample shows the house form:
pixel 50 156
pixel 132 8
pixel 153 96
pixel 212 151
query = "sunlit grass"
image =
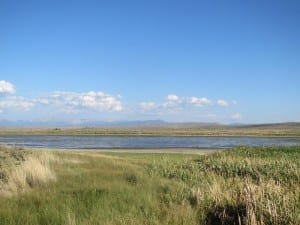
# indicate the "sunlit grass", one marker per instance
pixel 277 130
pixel 242 186
pixel 24 170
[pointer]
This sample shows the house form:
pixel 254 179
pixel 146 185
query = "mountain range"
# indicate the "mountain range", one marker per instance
pixel 135 123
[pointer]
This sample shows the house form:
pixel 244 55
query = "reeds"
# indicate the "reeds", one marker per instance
pixel 244 186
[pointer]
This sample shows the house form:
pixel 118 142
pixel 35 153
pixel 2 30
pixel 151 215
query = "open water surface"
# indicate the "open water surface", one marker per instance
pixel 91 142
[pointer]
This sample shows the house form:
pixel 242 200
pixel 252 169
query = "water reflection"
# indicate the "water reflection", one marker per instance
pixel 142 142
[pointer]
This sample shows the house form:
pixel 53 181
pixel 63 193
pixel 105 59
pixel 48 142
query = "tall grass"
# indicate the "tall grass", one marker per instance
pixel 242 186
pixel 31 171
pixel 250 186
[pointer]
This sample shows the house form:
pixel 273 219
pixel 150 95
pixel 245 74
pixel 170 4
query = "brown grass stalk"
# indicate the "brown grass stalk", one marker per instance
pixel 34 171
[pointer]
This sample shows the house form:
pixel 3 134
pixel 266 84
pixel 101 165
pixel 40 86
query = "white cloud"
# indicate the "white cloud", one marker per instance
pixel 6 87
pixel 172 97
pixel 43 101
pixel 70 101
pixel 222 103
pixel 237 116
pixel 94 102
pixel 199 101
pixel 174 104
pixel 18 103
pixel 170 104
pixel 148 105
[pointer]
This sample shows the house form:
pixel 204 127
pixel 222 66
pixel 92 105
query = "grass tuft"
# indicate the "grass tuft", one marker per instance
pixel 30 170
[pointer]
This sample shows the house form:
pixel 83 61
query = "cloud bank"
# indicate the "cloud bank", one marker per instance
pixel 174 101
pixel 17 103
pixel 64 101
pixel 74 101
pixel 96 103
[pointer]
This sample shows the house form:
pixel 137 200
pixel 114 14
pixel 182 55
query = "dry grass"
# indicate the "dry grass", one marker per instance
pixel 245 203
pixel 243 186
pixel 34 171
pixel 285 129
pixel 71 220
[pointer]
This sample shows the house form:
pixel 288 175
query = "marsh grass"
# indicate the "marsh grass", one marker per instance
pixel 24 170
pixel 242 186
pixel 260 164
pixel 251 186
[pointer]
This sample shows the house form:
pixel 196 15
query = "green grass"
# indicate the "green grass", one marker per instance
pixel 250 185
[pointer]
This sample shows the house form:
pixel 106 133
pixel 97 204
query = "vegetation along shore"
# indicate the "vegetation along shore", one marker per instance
pixel 245 185
pixel 266 130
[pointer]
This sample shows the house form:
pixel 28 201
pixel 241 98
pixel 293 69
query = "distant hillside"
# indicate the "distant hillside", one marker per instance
pixel 103 124
pixel 142 124
pixel 150 128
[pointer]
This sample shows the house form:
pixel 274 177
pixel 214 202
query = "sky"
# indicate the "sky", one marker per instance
pixel 204 61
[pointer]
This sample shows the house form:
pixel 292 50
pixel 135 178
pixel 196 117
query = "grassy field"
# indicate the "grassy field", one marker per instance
pixel 274 130
pixel 251 186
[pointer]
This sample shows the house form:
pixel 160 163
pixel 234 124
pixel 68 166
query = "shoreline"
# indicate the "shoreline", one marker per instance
pixel 154 135
pixel 198 151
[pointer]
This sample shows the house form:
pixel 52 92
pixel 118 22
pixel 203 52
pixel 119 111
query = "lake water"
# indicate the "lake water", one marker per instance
pixel 89 142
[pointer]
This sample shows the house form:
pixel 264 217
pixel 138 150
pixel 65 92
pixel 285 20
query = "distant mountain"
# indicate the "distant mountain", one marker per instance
pixel 194 125
pixel 81 123
pixel 136 123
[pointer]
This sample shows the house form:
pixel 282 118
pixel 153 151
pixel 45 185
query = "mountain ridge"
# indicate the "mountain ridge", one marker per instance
pixel 135 123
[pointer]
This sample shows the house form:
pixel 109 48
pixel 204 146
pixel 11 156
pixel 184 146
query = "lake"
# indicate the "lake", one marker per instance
pixel 90 142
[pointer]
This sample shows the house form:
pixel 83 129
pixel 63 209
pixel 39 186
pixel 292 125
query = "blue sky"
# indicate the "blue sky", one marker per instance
pixel 223 61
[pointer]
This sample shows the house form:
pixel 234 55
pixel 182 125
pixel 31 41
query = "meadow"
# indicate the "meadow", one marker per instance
pixel 245 185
